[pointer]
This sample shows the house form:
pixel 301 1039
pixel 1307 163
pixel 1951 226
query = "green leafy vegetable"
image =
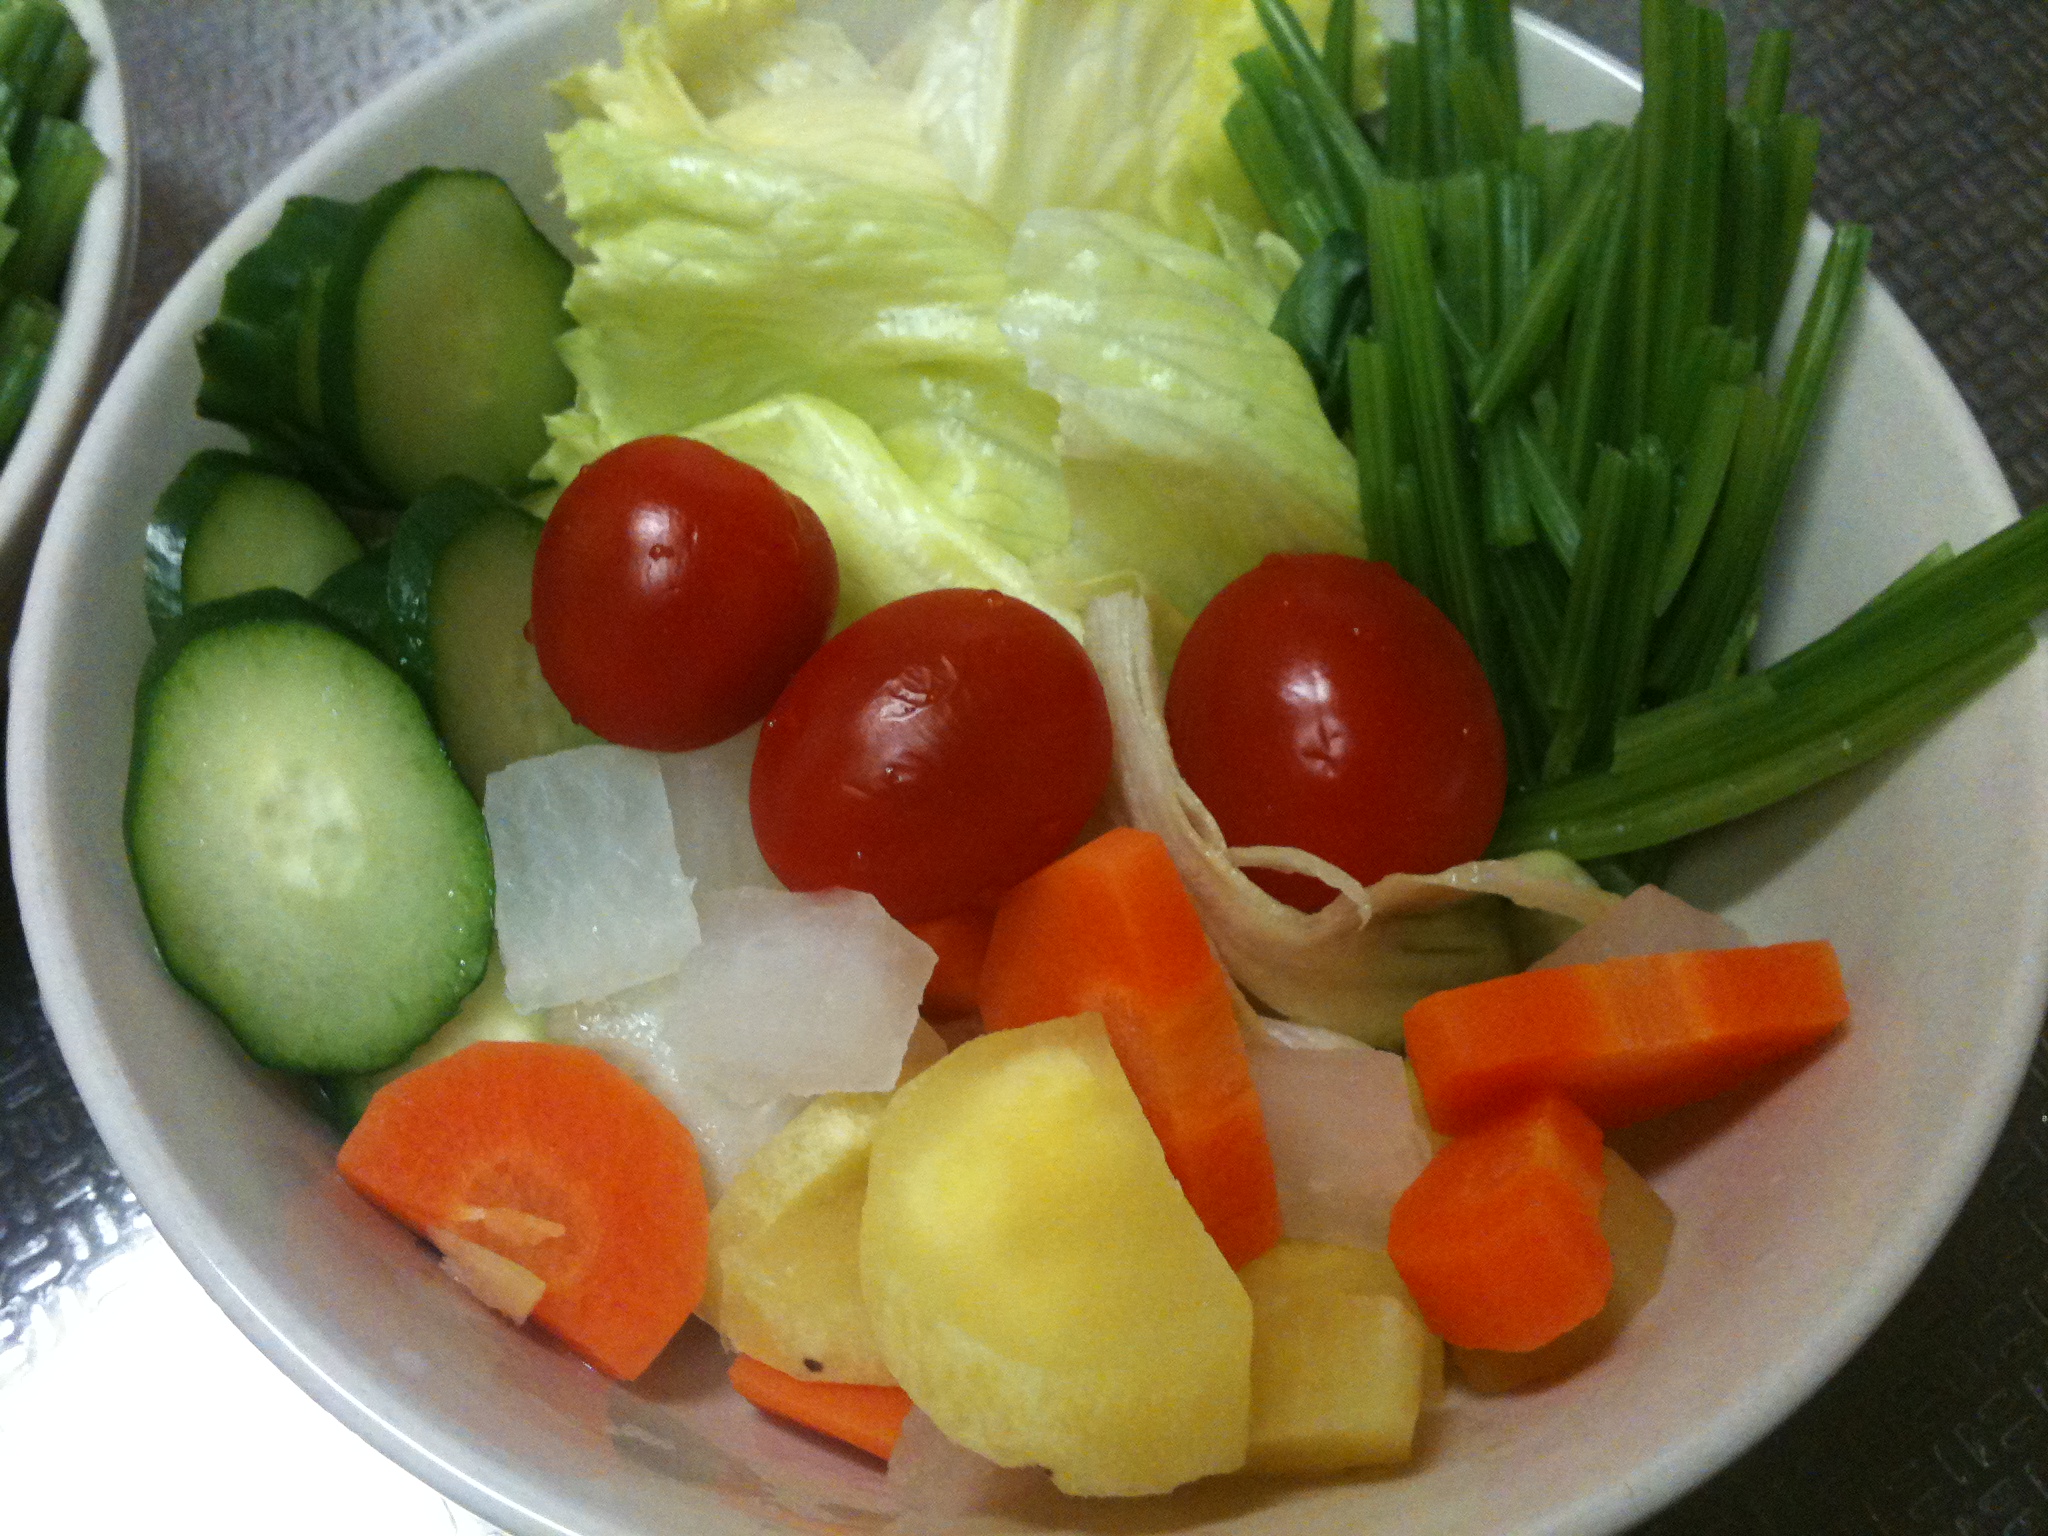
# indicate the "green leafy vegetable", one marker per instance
pixel 889 535
pixel 725 273
pixel 1194 442
pixel 971 389
pixel 1032 106
pixel 1563 433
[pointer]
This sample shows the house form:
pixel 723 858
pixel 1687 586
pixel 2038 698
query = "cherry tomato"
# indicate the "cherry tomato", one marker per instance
pixel 1321 702
pixel 933 753
pixel 675 592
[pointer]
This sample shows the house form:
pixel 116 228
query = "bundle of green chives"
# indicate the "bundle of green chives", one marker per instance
pixel 48 168
pixel 1547 348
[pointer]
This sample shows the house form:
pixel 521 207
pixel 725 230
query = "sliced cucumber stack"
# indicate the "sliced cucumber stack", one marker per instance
pixel 229 524
pixel 357 595
pixel 461 592
pixel 386 344
pixel 259 358
pixel 311 865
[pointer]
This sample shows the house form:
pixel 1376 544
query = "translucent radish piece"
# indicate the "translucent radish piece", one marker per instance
pixel 633 1029
pixel 787 996
pixel 805 993
pixel 707 798
pixel 937 1482
pixel 1342 1128
pixel 727 1132
pixel 591 895
pixel 1648 921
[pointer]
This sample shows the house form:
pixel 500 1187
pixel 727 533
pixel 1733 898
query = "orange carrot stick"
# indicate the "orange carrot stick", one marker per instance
pixel 867 1417
pixel 961 943
pixel 1109 929
pixel 1499 1238
pixel 553 1158
pixel 1624 1039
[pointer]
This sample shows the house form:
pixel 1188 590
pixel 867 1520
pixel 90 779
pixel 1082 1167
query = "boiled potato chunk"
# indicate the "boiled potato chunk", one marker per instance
pixel 783 1281
pixel 1341 1363
pixel 1637 1225
pixel 1040 1285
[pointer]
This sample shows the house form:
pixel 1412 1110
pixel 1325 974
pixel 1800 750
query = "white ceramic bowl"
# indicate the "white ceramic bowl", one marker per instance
pixel 1804 1207
pixel 95 291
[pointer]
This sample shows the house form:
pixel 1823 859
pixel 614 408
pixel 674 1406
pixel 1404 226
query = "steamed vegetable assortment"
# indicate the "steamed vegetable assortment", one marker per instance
pixel 902 420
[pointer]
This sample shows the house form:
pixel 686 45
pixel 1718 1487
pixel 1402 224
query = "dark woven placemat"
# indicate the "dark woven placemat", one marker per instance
pixel 1937 134
pixel 1935 119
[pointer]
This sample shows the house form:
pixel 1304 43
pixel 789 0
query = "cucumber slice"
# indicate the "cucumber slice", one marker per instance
pixel 486 1014
pixel 358 596
pixel 309 862
pixel 386 344
pixel 259 358
pixel 438 353
pixel 228 524
pixel 461 592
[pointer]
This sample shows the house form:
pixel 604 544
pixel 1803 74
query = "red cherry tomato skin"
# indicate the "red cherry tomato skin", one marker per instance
pixel 933 753
pixel 675 592
pixel 1321 702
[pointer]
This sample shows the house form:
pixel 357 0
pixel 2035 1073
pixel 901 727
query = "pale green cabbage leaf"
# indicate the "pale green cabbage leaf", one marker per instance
pixel 1100 104
pixel 1193 440
pixel 890 536
pixel 1084 404
pixel 730 267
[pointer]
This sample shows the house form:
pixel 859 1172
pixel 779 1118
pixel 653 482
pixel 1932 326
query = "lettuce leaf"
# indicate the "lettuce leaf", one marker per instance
pixel 1100 104
pixel 734 265
pixel 1085 404
pixel 727 53
pixel 892 539
pixel 1193 439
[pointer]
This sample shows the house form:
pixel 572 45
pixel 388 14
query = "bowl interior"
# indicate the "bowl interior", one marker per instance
pixel 95 290
pixel 1804 1205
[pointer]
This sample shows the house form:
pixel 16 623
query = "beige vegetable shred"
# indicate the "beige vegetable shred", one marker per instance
pixel 1358 964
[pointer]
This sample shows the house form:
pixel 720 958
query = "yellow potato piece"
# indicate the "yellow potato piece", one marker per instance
pixel 1637 1225
pixel 1341 1363
pixel 1039 1284
pixel 783 1280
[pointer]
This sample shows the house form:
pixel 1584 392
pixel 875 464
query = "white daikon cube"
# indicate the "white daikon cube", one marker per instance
pixel 591 893
pixel 798 993
pixel 1649 921
pixel 633 1030
pixel 707 796
pixel 1343 1132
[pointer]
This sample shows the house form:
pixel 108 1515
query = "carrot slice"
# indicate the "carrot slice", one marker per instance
pixel 961 943
pixel 1623 1039
pixel 553 1158
pixel 1109 929
pixel 1498 1240
pixel 867 1417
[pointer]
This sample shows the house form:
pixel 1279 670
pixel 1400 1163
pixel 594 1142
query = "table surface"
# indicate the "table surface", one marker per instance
pixel 128 1400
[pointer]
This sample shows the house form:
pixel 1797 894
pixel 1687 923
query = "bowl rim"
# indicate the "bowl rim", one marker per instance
pixel 94 299
pixel 196 1238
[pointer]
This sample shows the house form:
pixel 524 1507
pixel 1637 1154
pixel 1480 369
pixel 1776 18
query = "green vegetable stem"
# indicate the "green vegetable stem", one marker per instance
pixel 1547 348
